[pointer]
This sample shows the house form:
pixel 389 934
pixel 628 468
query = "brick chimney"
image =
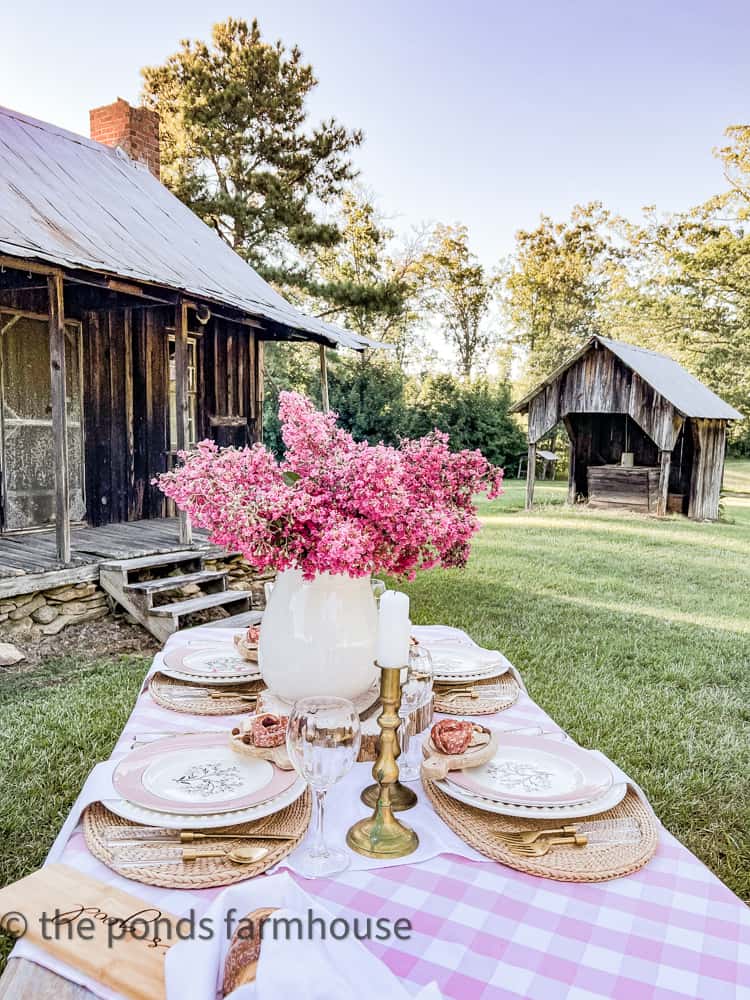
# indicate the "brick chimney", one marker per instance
pixel 136 130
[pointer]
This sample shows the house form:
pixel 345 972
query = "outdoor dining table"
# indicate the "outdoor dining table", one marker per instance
pixel 480 929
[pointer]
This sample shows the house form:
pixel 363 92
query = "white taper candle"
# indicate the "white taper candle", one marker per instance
pixel 392 648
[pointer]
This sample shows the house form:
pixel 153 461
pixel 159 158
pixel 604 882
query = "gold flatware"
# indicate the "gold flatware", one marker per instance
pixel 530 836
pixel 598 831
pixel 175 856
pixel 238 855
pixel 141 738
pixel 188 837
pixel 542 847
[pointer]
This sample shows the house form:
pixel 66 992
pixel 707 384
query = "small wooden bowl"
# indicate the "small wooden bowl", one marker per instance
pixel 277 755
pixel 436 764
pixel 248 651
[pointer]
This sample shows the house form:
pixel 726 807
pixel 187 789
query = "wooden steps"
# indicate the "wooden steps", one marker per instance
pixel 177 582
pixel 139 584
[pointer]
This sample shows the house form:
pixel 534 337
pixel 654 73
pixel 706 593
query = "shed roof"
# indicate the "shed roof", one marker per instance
pixel 683 390
pixel 72 202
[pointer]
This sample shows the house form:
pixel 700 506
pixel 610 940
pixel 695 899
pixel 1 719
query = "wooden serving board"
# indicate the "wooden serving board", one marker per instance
pixel 87 928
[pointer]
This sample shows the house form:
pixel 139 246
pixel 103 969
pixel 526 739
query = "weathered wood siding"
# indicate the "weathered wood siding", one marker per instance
pixel 126 403
pixel 600 383
pixel 231 358
pixel 125 363
pixel 125 410
pixel 709 443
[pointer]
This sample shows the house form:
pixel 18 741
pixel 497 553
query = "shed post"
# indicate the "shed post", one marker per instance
pixel 571 460
pixel 324 378
pixel 59 414
pixel 710 441
pixel 661 503
pixel 530 475
pixel 181 394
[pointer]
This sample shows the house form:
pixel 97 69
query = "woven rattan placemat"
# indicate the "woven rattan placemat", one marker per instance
pixel 507 696
pixel 203 872
pixel 162 689
pixel 566 863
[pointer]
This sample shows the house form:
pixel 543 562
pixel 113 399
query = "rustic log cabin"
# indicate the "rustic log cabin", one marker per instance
pixel 644 434
pixel 129 330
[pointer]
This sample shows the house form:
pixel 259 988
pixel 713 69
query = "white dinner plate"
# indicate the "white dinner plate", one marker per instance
pixel 532 770
pixel 209 662
pixel 178 821
pixel 613 797
pixel 456 659
pixel 210 681
pixel 489 673
pixel 197 774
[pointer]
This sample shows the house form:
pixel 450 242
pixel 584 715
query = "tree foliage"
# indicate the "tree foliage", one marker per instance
pixel 237 146
pixel 379 402
pixel 368 282
pixel 458 291
pixel 556 285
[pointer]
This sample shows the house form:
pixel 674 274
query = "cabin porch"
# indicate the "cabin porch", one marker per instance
pixel 29 561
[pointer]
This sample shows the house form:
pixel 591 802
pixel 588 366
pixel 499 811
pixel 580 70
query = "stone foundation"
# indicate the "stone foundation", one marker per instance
pixel 244 577
pixel 47 612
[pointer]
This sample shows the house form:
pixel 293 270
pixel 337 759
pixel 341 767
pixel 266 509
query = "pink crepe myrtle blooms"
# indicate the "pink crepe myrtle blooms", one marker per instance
pixel 333 504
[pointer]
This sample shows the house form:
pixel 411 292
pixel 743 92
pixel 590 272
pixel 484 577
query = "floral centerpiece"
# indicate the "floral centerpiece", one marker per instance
pixel 327 516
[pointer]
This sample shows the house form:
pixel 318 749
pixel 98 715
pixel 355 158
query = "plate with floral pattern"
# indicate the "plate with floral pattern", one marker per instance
pixel 548 813
pixel 532 770
pixel 209 661
pixel 197 774
pixel 179 821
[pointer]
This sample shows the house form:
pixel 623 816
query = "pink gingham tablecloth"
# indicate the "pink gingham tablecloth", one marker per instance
pixel 481 930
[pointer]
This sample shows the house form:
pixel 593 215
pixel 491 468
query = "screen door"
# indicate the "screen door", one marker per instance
pixel 26 441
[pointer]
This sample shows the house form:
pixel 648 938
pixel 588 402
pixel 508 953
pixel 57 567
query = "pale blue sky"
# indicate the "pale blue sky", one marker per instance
pixel 481 112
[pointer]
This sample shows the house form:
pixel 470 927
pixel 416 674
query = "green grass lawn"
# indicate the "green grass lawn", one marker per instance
pixel 633 633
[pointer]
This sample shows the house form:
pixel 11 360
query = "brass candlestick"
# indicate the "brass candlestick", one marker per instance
pixel 382 835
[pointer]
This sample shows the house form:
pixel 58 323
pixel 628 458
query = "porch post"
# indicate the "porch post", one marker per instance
pixel 324 378
pixel 181 400
pixel 59 414
pixel 530 475
pixel 661 503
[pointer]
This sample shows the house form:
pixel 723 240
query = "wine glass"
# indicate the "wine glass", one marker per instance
pixel 415 692
pixel 323 740
pixel 378 589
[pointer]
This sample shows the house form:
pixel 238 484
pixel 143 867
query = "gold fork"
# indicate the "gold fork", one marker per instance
pixel 540 848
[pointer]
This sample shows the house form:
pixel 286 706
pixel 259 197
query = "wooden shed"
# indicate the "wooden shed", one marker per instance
pixel 644 433
pixel 128 330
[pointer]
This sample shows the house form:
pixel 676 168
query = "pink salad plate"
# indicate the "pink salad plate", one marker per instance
pixel 209 661
pixel 198 774
pixel 533 770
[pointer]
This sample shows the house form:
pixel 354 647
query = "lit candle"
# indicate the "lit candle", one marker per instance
pixel 392 648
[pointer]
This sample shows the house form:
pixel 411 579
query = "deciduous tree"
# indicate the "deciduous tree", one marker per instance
pixel 459 293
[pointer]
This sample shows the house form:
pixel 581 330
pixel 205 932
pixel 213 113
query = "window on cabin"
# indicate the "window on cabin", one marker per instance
pixel 192 393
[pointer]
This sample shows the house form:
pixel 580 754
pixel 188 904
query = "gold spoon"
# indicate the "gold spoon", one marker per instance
pixel 238 855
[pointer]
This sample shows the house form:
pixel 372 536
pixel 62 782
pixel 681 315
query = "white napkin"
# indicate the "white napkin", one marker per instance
pixel 97 788
pixel 306 969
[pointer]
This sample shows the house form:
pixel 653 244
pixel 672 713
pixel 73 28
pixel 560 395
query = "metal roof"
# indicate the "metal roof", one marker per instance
pixel 683 390
pixel 72 202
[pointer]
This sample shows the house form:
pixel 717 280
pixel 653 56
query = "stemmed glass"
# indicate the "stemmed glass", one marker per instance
pixel 378 589
pixel 323 739
pixel 416 691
